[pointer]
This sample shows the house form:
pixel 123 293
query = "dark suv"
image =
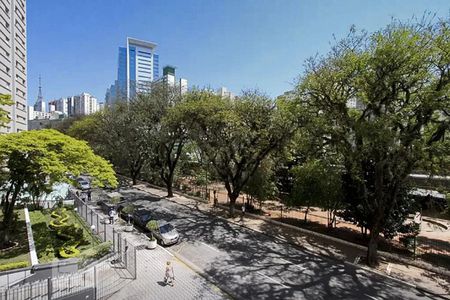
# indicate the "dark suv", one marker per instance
pixel 141 217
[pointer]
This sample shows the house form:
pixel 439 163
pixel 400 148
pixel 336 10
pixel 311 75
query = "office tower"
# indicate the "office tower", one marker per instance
pixel 61 105
pixel 13 63
pixel 138 66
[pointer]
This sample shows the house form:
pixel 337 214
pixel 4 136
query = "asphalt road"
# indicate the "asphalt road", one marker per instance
pixel 251 265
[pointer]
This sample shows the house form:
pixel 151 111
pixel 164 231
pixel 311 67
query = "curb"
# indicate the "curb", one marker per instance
pixel 227 292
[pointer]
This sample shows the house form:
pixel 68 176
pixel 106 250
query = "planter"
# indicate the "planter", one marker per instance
pixel 152 244
pixel 128 227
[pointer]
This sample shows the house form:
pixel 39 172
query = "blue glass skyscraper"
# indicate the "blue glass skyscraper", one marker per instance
pixel 138 66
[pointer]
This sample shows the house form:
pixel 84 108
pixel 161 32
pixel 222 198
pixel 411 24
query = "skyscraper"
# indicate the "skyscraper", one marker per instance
pixel 13 63
pixel 138 66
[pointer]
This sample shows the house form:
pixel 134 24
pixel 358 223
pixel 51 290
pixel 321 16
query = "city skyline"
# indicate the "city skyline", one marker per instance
pixel 228 44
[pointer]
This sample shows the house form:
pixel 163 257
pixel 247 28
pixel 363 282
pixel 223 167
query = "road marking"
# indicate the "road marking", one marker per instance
pixel 210 247
pixel 166 250
pixel 270 278
pixel 290 262
pixel 372 297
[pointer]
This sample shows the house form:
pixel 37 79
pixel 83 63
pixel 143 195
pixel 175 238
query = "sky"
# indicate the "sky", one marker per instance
pixel 239 44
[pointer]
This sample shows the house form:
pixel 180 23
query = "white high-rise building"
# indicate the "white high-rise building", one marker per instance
pixel 84 104
pixel 13 62
pixel 224 93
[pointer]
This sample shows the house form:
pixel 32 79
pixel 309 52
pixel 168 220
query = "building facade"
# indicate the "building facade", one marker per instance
pixel 13 62
pixel 169 79
pixel 84 104
pixel 138 67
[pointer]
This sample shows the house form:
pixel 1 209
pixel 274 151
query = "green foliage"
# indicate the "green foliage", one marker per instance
pixel 129 209
pixel 40 158
pixel 236 136
pixel 4 100
pixel 316 184
pixel 116 134
pixel 152 225
pixel 399 76
pixel 96 252
pixel 13 265
pixel 261 185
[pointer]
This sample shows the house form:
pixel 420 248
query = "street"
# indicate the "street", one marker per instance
pixel 251 265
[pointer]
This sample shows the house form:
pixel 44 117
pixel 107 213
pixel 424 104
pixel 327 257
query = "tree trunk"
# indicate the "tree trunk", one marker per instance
pixel 134 179
pixel 306 213
pixel 169 184
pixel 232 203
pixel 372 256
pixel 8 214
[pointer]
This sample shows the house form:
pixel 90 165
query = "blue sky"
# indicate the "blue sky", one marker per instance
pixel 239 44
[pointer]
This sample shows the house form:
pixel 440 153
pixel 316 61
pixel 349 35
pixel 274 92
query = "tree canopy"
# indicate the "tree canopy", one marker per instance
pixel 400 79
pixel 4 101
pixel 237 135
pixel 32 161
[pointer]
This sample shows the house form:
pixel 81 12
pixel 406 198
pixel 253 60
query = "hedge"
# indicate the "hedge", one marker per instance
pixel 14 265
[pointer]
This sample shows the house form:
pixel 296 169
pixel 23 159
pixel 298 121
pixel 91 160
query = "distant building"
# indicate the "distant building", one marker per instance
pixel 13 63
pixel 169 79
pixel 61 105
pixel 84 104
pixel 224 93
pixel 138 67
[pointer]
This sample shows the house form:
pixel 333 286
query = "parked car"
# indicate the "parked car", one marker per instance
pixel 141 217
pixel 166 233
pixel 83 184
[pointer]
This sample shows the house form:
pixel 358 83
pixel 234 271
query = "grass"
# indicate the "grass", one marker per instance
pixel 46 241
pixel 19 235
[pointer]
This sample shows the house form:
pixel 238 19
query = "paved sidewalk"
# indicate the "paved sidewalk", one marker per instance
pixel 150 274
pixel 412 275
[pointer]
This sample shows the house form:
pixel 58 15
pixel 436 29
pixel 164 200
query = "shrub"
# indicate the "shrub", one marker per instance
pixel 152 226
pixel 96 252
pixel 69 251
pixel 13 265
pixel 71 232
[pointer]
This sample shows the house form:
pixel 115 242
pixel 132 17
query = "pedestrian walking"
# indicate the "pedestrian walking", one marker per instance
pixel 89 195
pixel 169 277
pixel 111 214
pixel 243 209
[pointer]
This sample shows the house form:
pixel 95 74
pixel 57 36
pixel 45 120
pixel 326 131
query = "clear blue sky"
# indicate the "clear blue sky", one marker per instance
pixel 234 43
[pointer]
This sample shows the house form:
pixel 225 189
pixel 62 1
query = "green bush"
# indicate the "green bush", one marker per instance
pixel 69 251
pixel 96 252
pixel 71 232
pixel 14 265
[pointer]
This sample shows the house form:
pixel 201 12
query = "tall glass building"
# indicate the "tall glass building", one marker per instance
pixel 138 66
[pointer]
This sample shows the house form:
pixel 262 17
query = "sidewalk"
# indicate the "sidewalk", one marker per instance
pixel 410 274
pixel 151 264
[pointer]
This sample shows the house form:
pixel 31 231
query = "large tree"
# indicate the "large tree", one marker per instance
pixel 237 135
pixel 163 134
pixel 38 160
pixel 115 133
pixel 400 80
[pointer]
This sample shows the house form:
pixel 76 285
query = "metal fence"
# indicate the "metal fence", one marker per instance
pixel 97 282
pixel 125 252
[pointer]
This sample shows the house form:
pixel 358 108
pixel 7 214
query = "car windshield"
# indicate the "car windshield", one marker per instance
pixel 166 228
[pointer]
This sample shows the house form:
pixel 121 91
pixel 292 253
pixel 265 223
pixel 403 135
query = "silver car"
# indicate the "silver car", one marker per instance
pixel 167 234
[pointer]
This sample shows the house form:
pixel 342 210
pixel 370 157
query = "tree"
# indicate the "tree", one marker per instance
pixel 317 183
pixel 115 133
pixel 238 135
pixel 38 159
pixel 400 78
pixel 4 101
pixel 261 185
pixel 164 135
